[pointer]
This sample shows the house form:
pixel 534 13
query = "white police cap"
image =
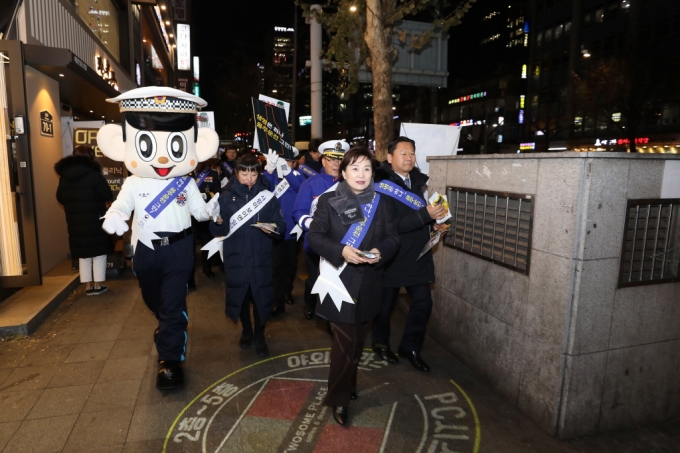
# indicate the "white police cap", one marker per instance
pixel 334 148
pixel 158 99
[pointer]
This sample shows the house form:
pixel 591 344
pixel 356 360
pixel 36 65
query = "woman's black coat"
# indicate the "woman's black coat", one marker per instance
pixel 406 269
pixel 364 282
pixel 248 252
pixel 84 192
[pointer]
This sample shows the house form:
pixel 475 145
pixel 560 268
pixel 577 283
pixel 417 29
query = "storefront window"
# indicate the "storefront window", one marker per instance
pixel 101 17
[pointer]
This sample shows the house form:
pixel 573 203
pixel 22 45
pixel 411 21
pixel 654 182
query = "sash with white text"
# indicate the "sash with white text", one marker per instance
pixel 410 199
pixel 357 231
pixel 281 188
pixel 307 171
pixel 166 196
pixel 227 169
pixel 251 208
pixel 201 177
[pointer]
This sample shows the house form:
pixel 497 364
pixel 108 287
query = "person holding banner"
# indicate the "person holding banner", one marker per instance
pixel 333 152
pixel 250 219
pixel 404 185
pixel 355 233
pixel 286 182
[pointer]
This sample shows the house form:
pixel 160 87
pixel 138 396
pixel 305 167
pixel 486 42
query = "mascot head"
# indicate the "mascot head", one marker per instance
pixel 159 137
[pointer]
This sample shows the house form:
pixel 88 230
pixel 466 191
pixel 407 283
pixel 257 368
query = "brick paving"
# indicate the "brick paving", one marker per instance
pixel 84 382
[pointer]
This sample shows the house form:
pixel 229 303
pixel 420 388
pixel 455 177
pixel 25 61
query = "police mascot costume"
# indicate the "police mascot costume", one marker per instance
pixel 160 143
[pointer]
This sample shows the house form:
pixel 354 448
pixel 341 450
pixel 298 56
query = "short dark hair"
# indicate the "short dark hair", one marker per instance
pixel 314 145
pixel 84 150
pixel 248 162
pixel 393 144
pixel 167 122
pixel 353 155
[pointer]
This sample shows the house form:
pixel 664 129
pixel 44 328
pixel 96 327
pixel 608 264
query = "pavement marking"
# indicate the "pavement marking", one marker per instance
pixel 387 428
pixel 478 427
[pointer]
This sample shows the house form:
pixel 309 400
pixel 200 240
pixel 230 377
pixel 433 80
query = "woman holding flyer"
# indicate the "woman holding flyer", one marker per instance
pixel 355 234
pixel 250 219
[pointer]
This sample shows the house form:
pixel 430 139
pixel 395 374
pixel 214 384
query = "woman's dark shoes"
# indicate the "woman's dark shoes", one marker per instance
pixel 386 354
pixel 340 415
pixel 98 291
pixel 170 375
pixel 89 291
pixel 289 299
pixel 353 396
pixel 246 340
pixel 261 347
pixel 208 273
pixel 414 357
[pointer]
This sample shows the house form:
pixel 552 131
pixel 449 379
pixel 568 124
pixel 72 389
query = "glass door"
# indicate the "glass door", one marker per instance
pixel 19 263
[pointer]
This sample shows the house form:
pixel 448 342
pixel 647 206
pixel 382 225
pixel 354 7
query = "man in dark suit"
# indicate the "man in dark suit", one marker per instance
pixel 405 270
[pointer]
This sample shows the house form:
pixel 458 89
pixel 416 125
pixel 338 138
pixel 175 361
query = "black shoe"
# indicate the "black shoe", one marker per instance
pixel 353 396
pixel 170 375
pixel 289 299
pixel 340 415
pixel 309 313
pixel 414 357
pixel 386 354
pixel 208 273
pixel 246 340
pixel 98 291
pixel 261 347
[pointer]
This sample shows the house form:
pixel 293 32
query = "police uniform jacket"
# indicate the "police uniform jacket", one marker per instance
pixel 83 191
pixel 248 252
pixel 287 199
pixel 414 232
pixel 363 281
pixel 311 189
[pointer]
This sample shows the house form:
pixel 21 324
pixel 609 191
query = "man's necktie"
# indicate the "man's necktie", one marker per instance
pixel 407 181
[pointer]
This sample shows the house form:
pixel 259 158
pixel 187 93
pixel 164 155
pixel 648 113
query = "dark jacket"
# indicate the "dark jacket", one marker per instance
pixel 414 232
pixel 248 252
pixel 315 165
pixel 364 281
pixel 84 192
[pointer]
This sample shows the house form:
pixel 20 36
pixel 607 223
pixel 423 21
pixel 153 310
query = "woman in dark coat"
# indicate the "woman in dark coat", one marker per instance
pixel 342 217
pixel 84 192
pixel 247 251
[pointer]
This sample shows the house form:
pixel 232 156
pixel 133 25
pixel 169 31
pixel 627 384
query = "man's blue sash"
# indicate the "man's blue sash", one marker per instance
pixel 410 199
pixel 227 168
pixel 307 171
pixel 201 177
pixel 357 231
pixel 166 196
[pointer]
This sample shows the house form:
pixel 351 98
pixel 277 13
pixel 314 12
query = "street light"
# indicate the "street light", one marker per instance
pixel 353 8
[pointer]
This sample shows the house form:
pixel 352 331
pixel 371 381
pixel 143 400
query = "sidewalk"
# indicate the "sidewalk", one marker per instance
pixel 84 382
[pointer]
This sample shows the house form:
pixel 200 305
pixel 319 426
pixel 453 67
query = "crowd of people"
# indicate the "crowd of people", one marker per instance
pixel 365 221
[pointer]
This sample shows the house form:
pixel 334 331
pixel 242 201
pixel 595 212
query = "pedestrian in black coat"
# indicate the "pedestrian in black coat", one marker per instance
pixel 248 251
pixel 405 269
pixel 83 192
pixel 337 212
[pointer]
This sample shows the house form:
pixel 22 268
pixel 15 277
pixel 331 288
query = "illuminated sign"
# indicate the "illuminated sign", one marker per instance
pixel 183 47
pixel 105 72
pixel 138 74
pixel 162 25
pixel 520 119
pixel 527 146
pixel 284 29
pixel 521 101
pixel 622 141
pixel 305 120
pixel 524 71
pixel 197 73
pixel 468 97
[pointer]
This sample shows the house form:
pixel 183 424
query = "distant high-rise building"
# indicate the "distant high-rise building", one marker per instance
pixel 280 83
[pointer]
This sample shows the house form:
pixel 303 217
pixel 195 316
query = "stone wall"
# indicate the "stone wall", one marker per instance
pixel 564 344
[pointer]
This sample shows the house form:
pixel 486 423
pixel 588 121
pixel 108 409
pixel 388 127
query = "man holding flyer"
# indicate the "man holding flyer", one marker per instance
pixel 404 184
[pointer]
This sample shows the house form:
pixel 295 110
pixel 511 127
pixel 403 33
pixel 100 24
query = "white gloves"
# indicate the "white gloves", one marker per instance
pixel 272 157
pixel 114 223
pixel 282 167
pixel 212 208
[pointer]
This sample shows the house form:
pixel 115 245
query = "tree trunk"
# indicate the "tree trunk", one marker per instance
pixel 378 40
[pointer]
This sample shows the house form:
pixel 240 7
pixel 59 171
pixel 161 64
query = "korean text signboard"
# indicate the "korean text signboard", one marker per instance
pixel 183 47
pixel 272 129
pixel 112 170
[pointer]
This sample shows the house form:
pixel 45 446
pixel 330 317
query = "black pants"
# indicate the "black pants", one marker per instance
pixel 245 316
pixel 312 262
pixel 163 274
pixel 416 320
pixel 348 343
pixel 284 261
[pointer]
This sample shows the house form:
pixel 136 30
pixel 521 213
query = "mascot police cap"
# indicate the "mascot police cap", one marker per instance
pixel 334 148
pixel 158 99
